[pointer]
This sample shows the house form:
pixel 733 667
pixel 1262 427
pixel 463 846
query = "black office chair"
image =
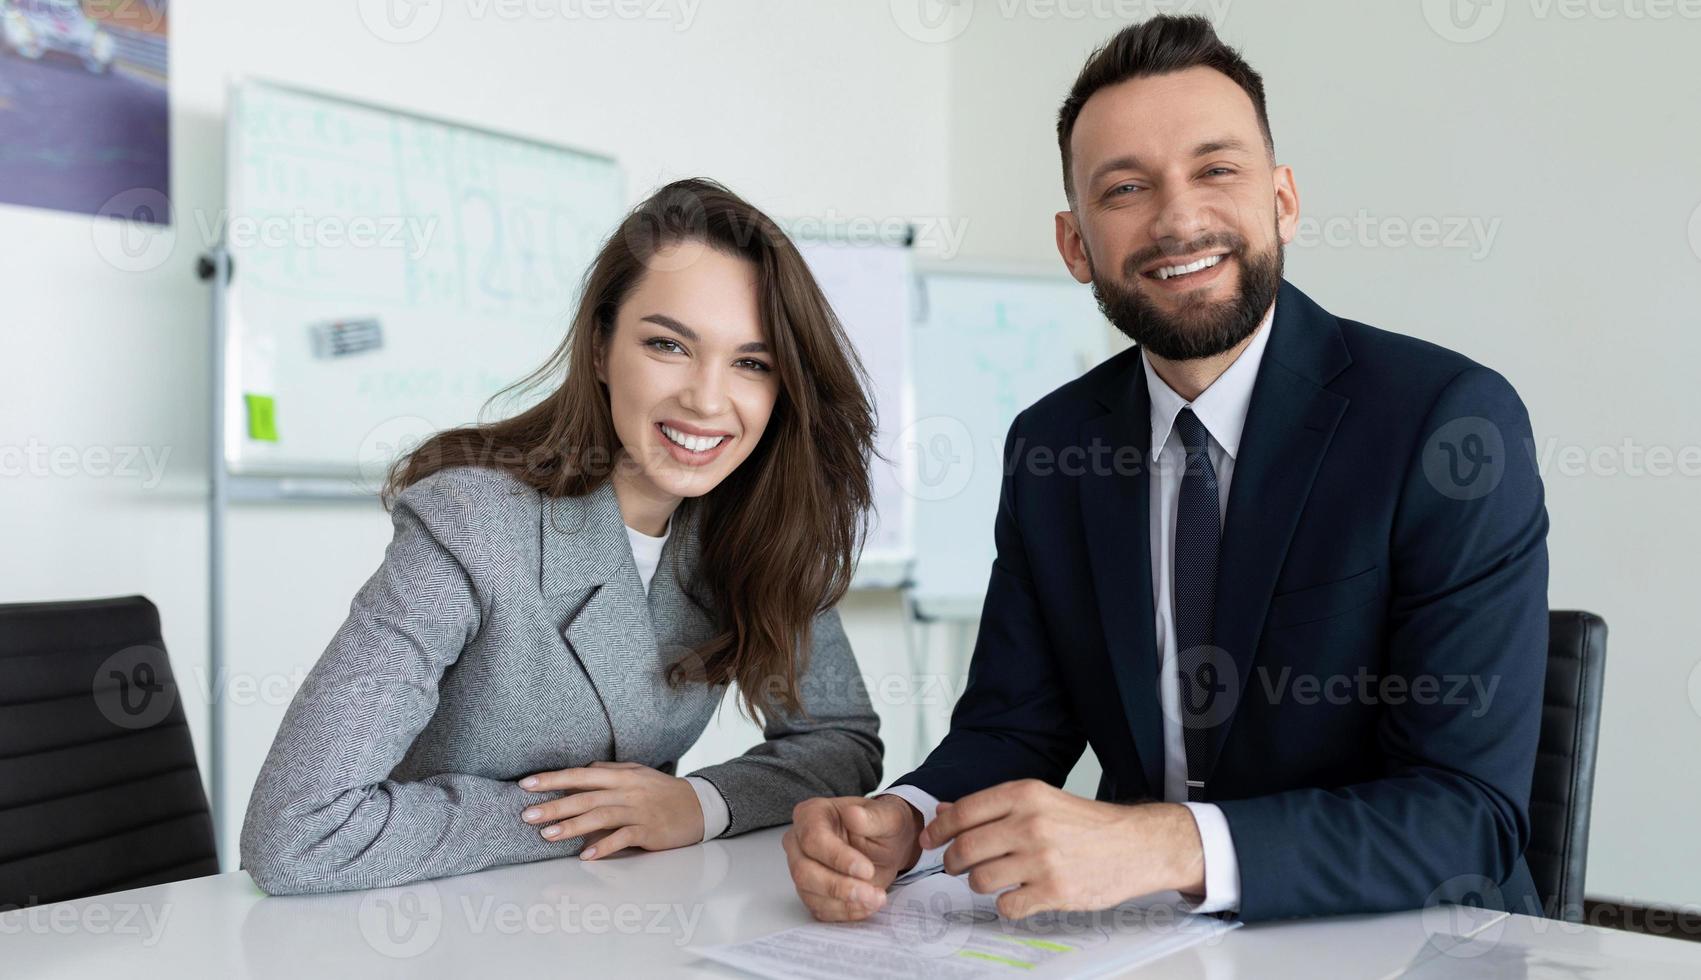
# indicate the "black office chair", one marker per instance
pixel 99 790
pixel 1565 762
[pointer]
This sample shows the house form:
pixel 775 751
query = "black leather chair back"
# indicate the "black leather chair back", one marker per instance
pixel 99 789
pixel 1565 764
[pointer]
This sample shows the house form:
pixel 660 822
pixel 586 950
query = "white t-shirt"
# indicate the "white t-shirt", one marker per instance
pixel 646 551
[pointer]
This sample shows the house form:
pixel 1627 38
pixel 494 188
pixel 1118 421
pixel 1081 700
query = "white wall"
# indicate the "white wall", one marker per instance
pixel 1571 138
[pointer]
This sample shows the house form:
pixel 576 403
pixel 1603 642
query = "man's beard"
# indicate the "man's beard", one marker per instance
pixel 1200 328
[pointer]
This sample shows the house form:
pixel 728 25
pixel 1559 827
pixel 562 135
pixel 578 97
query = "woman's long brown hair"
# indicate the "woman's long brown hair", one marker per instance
pixel 780 535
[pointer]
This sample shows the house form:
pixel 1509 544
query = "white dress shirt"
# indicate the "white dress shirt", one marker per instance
pixel 646 554
pixel 1222 409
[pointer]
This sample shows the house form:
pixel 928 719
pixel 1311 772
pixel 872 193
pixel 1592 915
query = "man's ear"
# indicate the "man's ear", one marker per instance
pixel 1287 204
pixel 1072 247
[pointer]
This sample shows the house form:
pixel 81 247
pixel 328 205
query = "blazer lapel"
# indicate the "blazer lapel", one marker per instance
pixel 591 584
pixel 1115 515
pixel 1289 425
pixel 680 619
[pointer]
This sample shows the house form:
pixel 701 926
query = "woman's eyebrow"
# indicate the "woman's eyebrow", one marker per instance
pixel 662 319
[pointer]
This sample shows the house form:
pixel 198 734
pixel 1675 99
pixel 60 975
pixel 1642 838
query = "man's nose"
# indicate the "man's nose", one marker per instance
pixel 1182 217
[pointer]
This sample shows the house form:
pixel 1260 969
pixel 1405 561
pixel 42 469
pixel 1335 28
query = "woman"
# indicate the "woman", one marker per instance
pixel 570 591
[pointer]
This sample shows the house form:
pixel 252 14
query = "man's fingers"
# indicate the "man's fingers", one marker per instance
pixel 817 881
pixel 831 876
pixel 972 811
pixel 827 910
pixel 987 842
pixel 874 820
pixel 814 878
pixel 824 845
pixel 994 876
pixel 1020 903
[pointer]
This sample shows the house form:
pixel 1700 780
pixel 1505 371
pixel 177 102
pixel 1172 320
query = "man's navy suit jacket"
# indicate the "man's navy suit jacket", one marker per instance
pixel 1380 624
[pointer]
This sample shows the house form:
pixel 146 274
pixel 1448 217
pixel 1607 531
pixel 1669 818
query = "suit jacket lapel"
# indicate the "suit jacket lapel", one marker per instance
pixel 591 585
pixel 1289 425
pixel 1115 515
pixel 681 619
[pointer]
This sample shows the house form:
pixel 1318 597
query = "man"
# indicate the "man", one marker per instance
pixel 1285 572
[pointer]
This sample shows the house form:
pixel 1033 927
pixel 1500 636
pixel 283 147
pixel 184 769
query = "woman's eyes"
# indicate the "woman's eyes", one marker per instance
pixel 670 346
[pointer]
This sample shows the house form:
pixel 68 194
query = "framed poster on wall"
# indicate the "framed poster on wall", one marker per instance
pixel 84 115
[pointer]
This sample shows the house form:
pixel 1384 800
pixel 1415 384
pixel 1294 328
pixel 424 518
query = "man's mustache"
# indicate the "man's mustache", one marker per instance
pixel 1139 260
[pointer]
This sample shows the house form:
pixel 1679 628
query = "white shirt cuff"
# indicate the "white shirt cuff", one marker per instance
pixel 716 816
pixel 1222 867
pixel 925 804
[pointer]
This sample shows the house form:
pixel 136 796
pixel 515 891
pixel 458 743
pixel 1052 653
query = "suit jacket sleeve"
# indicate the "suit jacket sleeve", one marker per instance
pixel 324 814
pixel 1013 720
pixel 831 749
pixel 1449 816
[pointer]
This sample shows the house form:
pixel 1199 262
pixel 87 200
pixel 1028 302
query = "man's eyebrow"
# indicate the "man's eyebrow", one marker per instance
pixel 662 319
pixel 1129 161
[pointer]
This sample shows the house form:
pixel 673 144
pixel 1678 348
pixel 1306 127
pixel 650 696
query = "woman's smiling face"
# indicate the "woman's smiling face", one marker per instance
pixel 690 376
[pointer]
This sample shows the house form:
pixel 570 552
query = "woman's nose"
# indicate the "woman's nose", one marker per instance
pixel 706 393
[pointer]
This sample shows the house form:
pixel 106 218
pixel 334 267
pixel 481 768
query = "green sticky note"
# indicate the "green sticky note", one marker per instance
pixel 262 418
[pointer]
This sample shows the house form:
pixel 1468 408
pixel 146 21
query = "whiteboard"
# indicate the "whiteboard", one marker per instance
pixel 986 347
pixel 464 247
pixel 871 287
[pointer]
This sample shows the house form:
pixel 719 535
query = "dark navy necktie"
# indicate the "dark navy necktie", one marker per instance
pixel 1197 534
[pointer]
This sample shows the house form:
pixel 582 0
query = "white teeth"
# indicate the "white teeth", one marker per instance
pixel 1179 270
pixel 696 444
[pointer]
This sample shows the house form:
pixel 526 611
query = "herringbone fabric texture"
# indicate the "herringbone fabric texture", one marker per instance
pixel 504 634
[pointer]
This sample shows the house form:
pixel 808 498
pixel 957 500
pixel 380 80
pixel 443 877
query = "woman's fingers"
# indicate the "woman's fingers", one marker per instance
pixel 570 806
pixel 593 776
pixel 621 839
pixel 602 818
pixel 618 765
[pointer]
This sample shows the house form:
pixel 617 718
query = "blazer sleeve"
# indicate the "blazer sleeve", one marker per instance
pixel 1013 720
pixel 831 749
pixel 324 814
pixel 1449 817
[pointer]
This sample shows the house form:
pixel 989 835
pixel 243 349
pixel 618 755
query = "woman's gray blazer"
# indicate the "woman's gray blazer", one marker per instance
pixel 508 633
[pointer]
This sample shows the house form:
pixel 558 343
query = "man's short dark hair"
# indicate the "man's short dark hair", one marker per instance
pixel 1157 46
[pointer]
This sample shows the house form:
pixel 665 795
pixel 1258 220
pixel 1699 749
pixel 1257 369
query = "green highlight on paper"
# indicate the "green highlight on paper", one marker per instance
pixel 1000 960
pixel 262 417
pixel 1044 944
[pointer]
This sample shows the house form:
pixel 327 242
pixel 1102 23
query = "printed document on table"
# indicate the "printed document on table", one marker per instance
pixel 936 927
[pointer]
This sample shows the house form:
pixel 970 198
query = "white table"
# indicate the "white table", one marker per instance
pixel 631 917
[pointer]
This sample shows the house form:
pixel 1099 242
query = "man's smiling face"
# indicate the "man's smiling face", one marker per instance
pixel 1179 215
